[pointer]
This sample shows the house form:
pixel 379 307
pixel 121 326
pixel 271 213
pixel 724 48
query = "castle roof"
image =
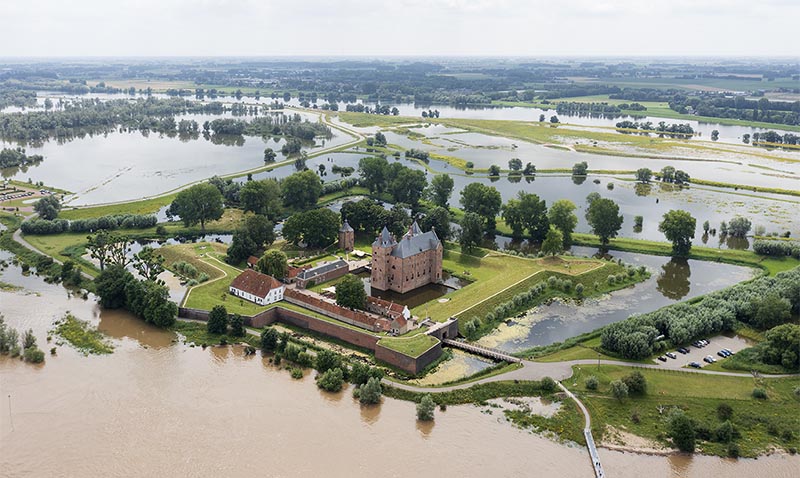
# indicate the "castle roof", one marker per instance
pixel 385 239
pixel 414 229
pixel 413 244
pixel 346 227
pixel 255 283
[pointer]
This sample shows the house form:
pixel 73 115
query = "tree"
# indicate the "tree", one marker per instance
pixel 350 293
pixel 771 310
pixel 425 408
pixel 407 186
pixel 471 233
pixel 530 170
pixel 604 219
pixel 217 320
pixel 440 190
pixel 541 118
pixel 47 207
pixel 514 164
pixel 592 197
pixel 109 248
pixel 782 346
pixel 439 220
pixel 199 203
pixel 149 263
pixel 254 233
pixel 301 190
pixel 261 197
pixel 553 243
pixel 681 429
pixel 561 215
pixel 636 383
pixel 269 155
pixel 242 247
pixel 327 360
pixel 237 326
pixel 706 227
pixel 110 285
pixel 484 201
pixel 668 174
pixel 370 392
pixel 580 169
pixel 269 339
pixel 739 226
pixel 273 263
pixel 714 135
pixel 619 390
pixel 494 170
pixel 643 175
pixel 331 381
pixel 373 171
pixel 678 227
pixel 316 228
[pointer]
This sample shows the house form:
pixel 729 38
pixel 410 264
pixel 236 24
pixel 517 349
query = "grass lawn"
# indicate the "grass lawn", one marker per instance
pixel 698 395
pixel 413 346
pixel 144 206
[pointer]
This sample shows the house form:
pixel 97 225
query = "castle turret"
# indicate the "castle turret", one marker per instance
pixel 347 237
pixel 381 250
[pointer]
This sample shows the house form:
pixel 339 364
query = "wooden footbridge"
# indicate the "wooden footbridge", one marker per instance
pixel 482 351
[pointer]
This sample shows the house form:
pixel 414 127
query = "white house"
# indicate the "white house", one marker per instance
pixel 257 287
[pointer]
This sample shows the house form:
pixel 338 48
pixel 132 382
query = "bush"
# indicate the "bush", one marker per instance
pixel 759 393
pixel 327 360
pixel 682 431
pixel 619 390
pixel 636 383
pixel 33 355
pixel 547 384
pixel 579 289
pixel 724 411
pixel 331 381
pixel 297 373
pixel 724 433
pixel 237 326
pixel 426 408
pixel 217 320
pixel 592 383
pixel 733 450
pixel 370 392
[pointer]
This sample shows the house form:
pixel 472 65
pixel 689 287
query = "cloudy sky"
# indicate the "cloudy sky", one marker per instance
pixel 399 27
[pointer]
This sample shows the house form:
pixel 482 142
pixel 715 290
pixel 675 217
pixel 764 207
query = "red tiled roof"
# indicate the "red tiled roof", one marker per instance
pixel 255 283
pixel 385 304
pixel 252 260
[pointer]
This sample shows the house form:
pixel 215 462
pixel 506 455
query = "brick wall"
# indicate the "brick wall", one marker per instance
pixel 404 362
pixel 352 317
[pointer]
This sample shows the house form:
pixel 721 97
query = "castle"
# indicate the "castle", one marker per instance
pixel 403 266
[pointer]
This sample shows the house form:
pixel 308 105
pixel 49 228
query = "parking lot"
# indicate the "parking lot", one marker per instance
pixel 718 342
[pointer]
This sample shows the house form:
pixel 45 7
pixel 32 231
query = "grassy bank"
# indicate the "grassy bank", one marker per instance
pixel 413 346
pixel 698 395
pixel 82 335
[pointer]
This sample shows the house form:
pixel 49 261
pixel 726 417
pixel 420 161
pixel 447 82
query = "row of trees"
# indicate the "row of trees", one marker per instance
pixel 146 298
pixel 108 223
pixel 11 158
pixel 762 303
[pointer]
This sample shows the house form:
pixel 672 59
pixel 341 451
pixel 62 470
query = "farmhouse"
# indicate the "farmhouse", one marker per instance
pixel 257 287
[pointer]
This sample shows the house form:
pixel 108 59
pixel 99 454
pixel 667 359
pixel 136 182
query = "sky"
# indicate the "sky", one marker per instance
pixel 378 28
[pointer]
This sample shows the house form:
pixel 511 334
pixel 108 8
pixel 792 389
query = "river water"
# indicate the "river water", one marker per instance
pixel 156 408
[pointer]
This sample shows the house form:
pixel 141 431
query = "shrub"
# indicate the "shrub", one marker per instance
pixel 370 392
pixel 619 390
pixel 636 383
pixel 547 384
pixel 733 450
pixel 724 433
pixel 724 411
pixel 33 355
pixel 297 373
pixel 331 381
pixel 327 360
pixel 592 383
pixel 682 431
pixel 237 326
pixel 759 393
pixel 426 408
pixel 217 320
pixel 579 289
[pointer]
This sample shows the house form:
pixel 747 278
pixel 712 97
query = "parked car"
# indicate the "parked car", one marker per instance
pixel 671 355
pixel 662 358
pixel 683 350
pixel 729 351
pixel 705 342
pixel 709 359
pixel 698 344
pixel 722 354
pixel 694 364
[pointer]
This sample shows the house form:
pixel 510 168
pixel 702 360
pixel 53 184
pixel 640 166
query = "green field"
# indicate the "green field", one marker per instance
pixel 413 346
pixel 698 395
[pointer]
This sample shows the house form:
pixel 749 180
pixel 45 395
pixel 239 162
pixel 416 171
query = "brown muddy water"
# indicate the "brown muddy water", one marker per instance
pixel 157 408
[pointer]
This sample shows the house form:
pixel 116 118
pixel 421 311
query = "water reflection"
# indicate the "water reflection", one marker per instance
pixel 369 413
pixel 425 428
pixel 673 282
pixel 120 324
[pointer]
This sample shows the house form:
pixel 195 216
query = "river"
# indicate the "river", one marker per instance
pixel 155 407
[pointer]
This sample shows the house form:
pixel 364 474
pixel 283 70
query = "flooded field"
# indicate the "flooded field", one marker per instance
pixel 107 409
pixel 671 280
pixel 122 166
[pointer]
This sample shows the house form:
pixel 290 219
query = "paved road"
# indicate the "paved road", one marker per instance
pixel 17 236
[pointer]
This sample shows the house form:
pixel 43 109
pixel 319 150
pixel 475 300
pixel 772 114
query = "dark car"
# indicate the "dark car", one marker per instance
pixel 683 350
pixel 662 358
pixel 671 355
pixel 694 364
pixel 708 359
pixel 722 354
pixel 728 351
